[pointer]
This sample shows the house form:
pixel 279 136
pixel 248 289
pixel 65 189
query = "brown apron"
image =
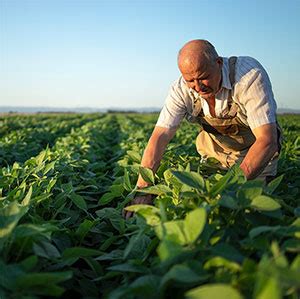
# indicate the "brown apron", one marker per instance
pixel 228 139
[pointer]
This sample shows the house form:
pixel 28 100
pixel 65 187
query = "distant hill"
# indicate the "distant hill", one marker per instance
pixel 19 109
pixel 288 111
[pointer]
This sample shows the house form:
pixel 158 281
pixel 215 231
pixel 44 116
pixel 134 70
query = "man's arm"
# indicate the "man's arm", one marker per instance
pixel 151 159
pixel 261 152
pixel 154 150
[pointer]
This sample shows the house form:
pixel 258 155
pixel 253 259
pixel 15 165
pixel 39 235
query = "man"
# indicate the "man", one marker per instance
pixel 233 101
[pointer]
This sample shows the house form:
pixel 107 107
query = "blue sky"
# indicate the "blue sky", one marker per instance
pixel 123 53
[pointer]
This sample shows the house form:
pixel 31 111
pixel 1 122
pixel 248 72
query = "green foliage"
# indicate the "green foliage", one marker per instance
pixel 212 291
pixel 208 234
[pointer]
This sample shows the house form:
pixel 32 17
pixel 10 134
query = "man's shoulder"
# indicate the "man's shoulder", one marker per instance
pixel 179 83
pixel 248 68
pixel 247 63
pixel 180 88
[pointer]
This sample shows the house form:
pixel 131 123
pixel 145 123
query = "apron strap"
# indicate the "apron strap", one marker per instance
pixel 232 106
pixel 232 62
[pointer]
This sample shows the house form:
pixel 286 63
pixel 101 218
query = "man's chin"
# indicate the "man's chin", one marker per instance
pixel 206 95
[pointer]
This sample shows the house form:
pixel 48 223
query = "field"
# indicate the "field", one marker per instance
pixel 65 179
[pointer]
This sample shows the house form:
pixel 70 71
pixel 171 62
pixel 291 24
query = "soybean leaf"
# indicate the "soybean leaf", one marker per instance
pixel 192 179
pixel 26 200
pixel 8 275
pixel 272 186
pixel 109 241
pixel 182 273
pixel 116 254
pixel 194 223
pixel 43 278
pixel 9 217
pixel 40 158
pixel 262 229
pixel 71 255
pixel 296 263
pixel 43 283
pixel 220 185
pixel 291 245
pixel 79 201
pixel 172 230
pixel 84 228
pixel 264 203
pixel 219 261
pixel 156 190
pixel 137 246
pixel 150 213
pixel 29 263
pixel 147 174
pixel 168 249
pixel 46 249
pixel 170 179
pixel 49 167
pixel 145 286
pixel 249 193
pixel 94 265
pixel 127 184
pixel 137 208
pixel 106 198
pixel 80 252
pixel 129 267
pixel 228 202
pixel 27 230
pixel 212 291
pixel 297 212
pixel 227 251
pixel 117 189
pixel 270 289
pixel 134 156
pixel 114 217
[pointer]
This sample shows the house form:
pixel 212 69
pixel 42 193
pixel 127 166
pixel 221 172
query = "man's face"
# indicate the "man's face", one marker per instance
pixel 205 78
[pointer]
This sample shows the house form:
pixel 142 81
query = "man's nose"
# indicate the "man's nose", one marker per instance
pixel 197 85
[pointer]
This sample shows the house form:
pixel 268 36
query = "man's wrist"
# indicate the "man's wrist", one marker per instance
pixel 245 169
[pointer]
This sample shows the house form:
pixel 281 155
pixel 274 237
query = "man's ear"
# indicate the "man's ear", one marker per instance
pixel 220 61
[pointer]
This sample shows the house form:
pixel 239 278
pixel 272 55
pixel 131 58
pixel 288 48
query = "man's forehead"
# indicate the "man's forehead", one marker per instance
pixel 193 76
pixel 189 65
pixel 194 73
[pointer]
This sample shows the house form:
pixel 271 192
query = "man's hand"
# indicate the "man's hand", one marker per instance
pixel 151 158
pixel 141 199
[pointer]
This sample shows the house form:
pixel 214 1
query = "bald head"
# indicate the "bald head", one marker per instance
pixel 196 53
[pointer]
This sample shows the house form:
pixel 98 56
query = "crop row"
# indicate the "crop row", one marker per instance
pixel 21 144
pixel 45 211
pixel 209 232
pixel 9 123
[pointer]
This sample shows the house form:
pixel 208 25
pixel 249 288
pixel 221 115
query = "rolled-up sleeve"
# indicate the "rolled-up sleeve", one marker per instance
pixel 174 108
pixel 256 96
